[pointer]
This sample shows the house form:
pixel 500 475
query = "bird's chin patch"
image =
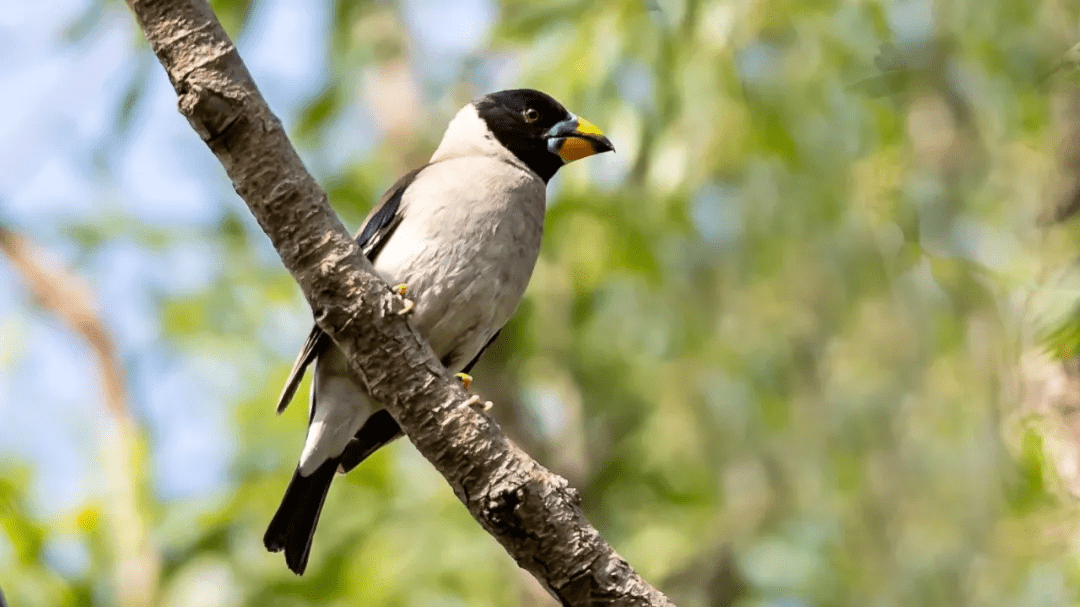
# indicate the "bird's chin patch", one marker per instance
pixel 571 148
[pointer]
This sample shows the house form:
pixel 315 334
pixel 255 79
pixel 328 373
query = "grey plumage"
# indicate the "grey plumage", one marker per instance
pixel 463 233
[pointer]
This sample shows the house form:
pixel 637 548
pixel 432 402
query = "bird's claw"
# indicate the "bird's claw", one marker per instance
pixel 474 399
pixel 401 289
pixel 474 402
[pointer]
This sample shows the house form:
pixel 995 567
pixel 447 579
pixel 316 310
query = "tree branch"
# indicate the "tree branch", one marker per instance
pixel 533 513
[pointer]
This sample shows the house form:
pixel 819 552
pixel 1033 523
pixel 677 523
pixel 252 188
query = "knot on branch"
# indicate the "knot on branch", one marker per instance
pixel 501 509
pixel 579 590
pixel 210 113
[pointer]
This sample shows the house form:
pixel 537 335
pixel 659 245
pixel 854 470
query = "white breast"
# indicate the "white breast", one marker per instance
pixel 466 247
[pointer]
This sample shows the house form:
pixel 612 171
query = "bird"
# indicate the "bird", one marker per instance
pixel 460 235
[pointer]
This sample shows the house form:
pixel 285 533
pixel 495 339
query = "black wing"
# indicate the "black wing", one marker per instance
pixel 378 227
pixel 384 218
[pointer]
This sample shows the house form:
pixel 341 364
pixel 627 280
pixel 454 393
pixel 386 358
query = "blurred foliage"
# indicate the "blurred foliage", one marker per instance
pixel 775 340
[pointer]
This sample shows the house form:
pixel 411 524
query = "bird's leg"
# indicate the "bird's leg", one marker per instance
pixel 401 289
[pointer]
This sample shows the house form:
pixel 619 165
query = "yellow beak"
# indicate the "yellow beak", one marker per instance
pixel 577 138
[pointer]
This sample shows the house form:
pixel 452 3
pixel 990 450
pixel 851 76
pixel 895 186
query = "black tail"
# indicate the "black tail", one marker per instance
pixel 293 526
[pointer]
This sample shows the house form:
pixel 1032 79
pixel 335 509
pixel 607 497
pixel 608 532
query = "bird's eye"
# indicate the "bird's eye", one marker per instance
pixel 531 115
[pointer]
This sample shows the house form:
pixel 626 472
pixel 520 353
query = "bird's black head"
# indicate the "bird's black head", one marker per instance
pixel 539 130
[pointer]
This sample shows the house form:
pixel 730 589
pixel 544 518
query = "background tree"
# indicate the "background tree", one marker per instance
pixel 790 341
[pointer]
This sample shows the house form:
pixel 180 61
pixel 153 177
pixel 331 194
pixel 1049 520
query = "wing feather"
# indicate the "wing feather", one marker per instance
pixel 377 229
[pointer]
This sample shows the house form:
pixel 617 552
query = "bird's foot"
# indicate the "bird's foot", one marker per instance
pixel 402 289
pixel 474 402
pixel 466 380
pixel 474 399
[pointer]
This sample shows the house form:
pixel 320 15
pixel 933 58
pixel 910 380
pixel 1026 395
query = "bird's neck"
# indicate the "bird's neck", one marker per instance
pixel 468 135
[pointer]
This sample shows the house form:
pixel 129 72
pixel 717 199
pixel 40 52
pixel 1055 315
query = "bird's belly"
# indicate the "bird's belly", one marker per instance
pixel 459 319
pixel 465 289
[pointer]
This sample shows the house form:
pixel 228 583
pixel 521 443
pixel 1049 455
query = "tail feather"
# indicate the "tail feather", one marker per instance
pixel 293 526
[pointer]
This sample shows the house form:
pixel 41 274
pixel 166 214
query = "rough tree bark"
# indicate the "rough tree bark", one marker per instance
pixel 533 513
